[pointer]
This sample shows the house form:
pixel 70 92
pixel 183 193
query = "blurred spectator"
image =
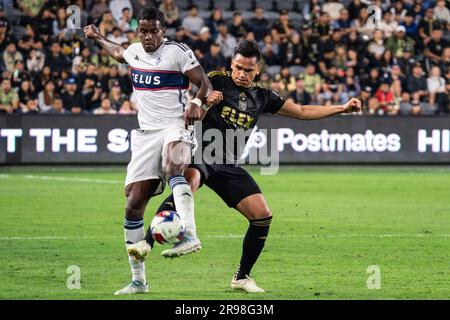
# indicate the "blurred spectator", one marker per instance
pixel 441 12
pixel 417 83
pixel 332 7
pixel 377 46
pixel 193 23
pixel 360 23
pixel 35 61
pixel 354 8
pixel 47 96
pixel 368 101
pixel 171 13
pixel 226 41
pixel 126 108
pixel 399 83
pixel 313 80
pixel 277 87
pixel 94 99
pixel 343 23
pixel 399 42
pixel 180 36
pixel 406 107
pixel 295 52
pixel 105 108
pixel 437 89
pixel 322 27
pixel 332 87
pixel 386 100
pixel 398 11
pixel 411 27
pixel 213 59
pixel 126 21
pixel 299 95
pixel 426 27
pixel 270 50
pixel 201 46
pixel 117 36
pixel 116 97
pixel 259 24
pixel 116 7
pixel 10 56
pixel 107 23
pixel 26 92
pixel 9 99
pixel 56 60
pixel 80 62
pixel 214 20
pixel 72 99
pixel 238 28
pixel 30 107
pixel 19 74
pixel 351 86
pixel 282 27
pixel 98 9
pixel 435 47
pixel 287 80
pixel 388 25
pixel 57 107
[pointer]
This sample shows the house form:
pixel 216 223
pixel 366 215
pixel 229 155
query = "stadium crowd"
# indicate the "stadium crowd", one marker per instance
pixel 396 59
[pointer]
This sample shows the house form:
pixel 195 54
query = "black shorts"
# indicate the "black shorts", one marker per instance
pixel 231 183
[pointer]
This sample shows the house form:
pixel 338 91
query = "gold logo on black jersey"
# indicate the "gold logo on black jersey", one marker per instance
pixel 236 118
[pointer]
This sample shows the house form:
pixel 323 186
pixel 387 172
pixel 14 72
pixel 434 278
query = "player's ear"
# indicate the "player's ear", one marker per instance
pixel 258 69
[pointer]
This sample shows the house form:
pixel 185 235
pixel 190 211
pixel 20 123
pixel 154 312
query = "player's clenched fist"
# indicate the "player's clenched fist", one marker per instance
pixel 214 98
pixel 353 105
pixel 91 31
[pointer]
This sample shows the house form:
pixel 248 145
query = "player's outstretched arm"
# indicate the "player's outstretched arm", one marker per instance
pixel 293 110
pixel 114 49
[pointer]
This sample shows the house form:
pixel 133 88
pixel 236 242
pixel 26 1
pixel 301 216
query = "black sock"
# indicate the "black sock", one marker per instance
pixel 168 204
pixel 252 245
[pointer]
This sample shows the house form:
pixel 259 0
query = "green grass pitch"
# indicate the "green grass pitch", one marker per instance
pixel 330 225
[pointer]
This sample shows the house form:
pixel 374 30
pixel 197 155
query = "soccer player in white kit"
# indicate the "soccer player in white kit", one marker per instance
pixel 162 146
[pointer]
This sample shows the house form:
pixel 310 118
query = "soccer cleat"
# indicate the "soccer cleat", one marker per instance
pixel 182 248
pixel 139 250
pixel 134 287
pixel 247 285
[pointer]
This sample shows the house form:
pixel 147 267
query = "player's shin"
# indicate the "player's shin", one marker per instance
pixel 134 232
pixel 252 246
pixel 184 202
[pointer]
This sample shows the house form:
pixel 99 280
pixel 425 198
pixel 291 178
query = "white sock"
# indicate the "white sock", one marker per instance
pixel 134 232
pixel 184 202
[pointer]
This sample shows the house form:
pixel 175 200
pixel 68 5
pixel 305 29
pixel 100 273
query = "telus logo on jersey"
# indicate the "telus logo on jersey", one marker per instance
pixel 154 80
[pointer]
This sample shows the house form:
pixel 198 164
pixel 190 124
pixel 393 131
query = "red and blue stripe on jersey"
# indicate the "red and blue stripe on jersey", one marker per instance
pixel 154 80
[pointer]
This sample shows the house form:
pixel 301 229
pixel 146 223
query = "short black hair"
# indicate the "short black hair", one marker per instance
pixel 152 13
pixel 248 49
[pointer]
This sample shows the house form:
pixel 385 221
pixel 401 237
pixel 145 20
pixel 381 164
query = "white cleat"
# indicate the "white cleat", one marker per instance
pixel 134 287
pixel 247 285
pixel 182 248
pixel 139 250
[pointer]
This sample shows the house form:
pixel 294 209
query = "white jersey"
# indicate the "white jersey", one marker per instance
pixel 159 82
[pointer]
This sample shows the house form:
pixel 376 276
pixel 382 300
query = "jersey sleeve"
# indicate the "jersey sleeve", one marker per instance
pixel 273 102
pixel 215 79
pixel 187 60
pixel 128 53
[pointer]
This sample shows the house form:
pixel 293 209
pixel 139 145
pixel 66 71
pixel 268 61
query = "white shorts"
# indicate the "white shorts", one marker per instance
pixel 147 149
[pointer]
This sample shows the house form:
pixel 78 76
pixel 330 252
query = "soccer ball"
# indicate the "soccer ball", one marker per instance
pixel 167 227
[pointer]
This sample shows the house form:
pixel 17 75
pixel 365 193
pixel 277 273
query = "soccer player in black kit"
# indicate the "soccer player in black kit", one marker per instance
pixel 242 101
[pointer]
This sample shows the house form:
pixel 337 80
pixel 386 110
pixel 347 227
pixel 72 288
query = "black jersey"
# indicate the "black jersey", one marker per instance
pixel 237 113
